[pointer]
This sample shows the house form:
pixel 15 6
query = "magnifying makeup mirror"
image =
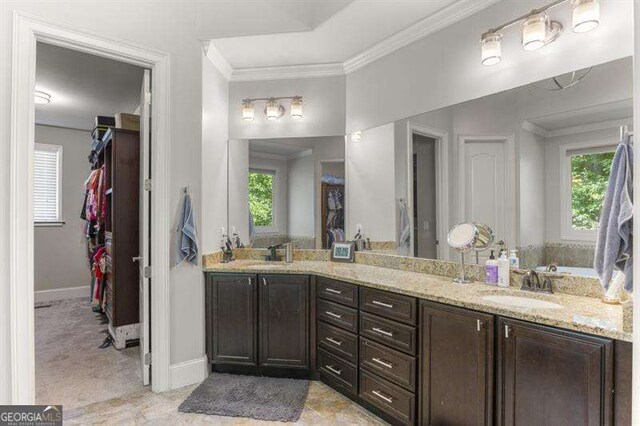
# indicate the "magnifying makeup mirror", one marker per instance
pixel 469 236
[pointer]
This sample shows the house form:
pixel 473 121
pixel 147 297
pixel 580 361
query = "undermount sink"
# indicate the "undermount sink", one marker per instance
pixel 521 302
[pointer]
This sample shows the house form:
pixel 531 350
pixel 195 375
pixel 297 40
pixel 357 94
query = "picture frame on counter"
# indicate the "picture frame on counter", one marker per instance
pixel 343 251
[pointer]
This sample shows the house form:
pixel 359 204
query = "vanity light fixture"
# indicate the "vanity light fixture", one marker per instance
pixel 538 29
pixel 41 97
pixel 356 136
pixel 273 109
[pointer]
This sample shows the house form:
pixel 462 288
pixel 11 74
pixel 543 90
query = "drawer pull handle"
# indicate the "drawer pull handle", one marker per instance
pixel 381 362
pixel 331 314
pixel 382 397
pixel 333 370
pixel 334 341
pixel 384 305
pixel 383 332
pixel 330 290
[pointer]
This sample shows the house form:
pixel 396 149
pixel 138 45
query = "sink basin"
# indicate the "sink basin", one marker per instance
pixel 521 302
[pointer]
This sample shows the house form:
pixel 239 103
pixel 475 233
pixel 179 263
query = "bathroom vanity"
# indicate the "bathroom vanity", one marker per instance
pixel 416 348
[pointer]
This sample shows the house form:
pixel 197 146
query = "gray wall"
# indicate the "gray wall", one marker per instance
pixel 300 181
pixel 60 251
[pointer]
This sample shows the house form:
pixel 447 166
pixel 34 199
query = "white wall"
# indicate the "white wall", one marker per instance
pixel 444 68
pixel 301 190
pixel 323 108
pixel 61 251
pixel 369 187
pixel 531 199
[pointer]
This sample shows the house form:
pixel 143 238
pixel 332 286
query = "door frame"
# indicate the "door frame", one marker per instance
pixel 442 177
pixel 27 30
pixel 510 172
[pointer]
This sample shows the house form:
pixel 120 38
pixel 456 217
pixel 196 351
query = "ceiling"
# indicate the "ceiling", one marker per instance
pixel 338 31
pixel 285 147
pixel 586 116
pixel 83 86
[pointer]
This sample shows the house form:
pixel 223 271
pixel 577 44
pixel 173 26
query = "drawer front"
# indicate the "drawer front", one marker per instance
pixel 341 316
pixel 338 291
pixel 388 363
pixel 391 333
pixel 389 305
pixel 393 400
pixel 338 371
pixel 338 341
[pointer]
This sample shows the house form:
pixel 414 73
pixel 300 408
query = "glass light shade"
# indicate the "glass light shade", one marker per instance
pixel 491 45
pixel 356 136
pixel 272 109
pixel 534 31
pixel 586 15
pixel 40 97
pixel 247 111
pixel 296 108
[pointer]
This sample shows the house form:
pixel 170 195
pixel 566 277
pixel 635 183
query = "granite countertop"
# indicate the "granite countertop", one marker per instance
pixel 578 313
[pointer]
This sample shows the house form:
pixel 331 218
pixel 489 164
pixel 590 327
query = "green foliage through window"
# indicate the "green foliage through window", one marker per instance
pixel 261 197
pixel 589 178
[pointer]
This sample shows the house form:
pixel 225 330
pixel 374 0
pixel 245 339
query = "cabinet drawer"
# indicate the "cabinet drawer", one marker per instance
pixel 391 333
pixel 389 305
pixel 392 399
pixel 338 291
pixel 338 372
pixel 338 341
pixel 339 315
pixel 392 365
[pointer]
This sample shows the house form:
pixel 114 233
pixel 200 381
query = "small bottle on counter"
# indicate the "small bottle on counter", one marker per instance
pixel 503 270
pixel 514 261
pixel 491 270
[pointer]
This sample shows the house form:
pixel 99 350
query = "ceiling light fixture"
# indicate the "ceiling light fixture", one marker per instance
pixel 538 29
pixel 41 97
pixel 273 109
pixel 586 15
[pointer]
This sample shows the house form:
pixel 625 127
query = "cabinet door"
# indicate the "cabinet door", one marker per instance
pixel 284 321
pixel 552 377
pixel 231 319
pixel 457 366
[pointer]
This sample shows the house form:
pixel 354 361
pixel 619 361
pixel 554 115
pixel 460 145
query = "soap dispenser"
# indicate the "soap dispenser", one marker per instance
pixel 491 270
pixel 514 261
pixel 503 270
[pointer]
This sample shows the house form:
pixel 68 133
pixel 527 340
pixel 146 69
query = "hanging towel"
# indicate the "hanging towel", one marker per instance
pixel 614 244
pixel 186 234
pixel 405 226
pixel 252 228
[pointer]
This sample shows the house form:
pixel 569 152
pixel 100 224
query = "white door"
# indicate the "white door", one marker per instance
pixel 485 199
pixel 145 219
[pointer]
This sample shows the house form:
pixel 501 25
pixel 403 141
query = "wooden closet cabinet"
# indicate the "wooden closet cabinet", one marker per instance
pixel 548 376
pixel 456 365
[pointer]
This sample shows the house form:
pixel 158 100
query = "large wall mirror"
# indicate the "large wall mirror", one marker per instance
pixel 287 190
pixel 531 162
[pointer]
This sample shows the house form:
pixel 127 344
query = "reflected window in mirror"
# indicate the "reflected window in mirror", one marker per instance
pixel 586 178
pixel 262 195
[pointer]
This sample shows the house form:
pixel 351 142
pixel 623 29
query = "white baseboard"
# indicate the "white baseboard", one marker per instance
pixel 62 293
pixel 188 372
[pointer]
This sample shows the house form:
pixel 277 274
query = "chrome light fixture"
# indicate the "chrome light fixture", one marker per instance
pixel 273 109
pixel 41 97
pixel 491 48
pixel 538 29
pixel 247 110
pixel 296 107
pixel 586 15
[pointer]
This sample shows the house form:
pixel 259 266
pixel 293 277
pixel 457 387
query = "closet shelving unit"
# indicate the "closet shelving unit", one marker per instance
pixel 325 189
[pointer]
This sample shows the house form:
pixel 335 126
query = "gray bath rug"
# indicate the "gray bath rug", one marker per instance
pixel 262 398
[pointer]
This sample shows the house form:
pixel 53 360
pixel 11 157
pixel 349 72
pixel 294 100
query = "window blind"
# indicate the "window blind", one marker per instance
pixel 46 183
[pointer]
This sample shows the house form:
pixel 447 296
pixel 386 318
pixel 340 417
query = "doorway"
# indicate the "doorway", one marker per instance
pixel 425 225
pixel 28 32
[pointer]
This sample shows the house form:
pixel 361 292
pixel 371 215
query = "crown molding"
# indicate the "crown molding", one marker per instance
pixel 429 25
pixel 591 127
pixel 535 129
pixel 218 60
pixel 287 72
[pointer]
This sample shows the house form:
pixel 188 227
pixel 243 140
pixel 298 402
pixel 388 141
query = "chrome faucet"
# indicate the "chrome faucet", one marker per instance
pixel 273 255
pixel 531 282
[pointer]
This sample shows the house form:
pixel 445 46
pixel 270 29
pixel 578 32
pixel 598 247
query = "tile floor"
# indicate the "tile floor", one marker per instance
pixel 103 386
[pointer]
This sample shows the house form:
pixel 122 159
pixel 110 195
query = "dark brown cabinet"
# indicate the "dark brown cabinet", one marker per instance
pixel 552 377
pixel 258 323
pixel 457 366
pixel 232 336
pixel 284 321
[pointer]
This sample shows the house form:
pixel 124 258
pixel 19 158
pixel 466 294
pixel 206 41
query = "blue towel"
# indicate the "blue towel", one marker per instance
pixel 252 228
pixel 614 246
pixel 186 234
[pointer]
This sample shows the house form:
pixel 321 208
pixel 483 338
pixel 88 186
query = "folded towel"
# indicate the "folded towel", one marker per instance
pixel 614 246
pixel 186 234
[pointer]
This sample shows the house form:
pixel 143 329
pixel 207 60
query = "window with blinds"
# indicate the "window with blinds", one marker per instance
pixel 47 174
